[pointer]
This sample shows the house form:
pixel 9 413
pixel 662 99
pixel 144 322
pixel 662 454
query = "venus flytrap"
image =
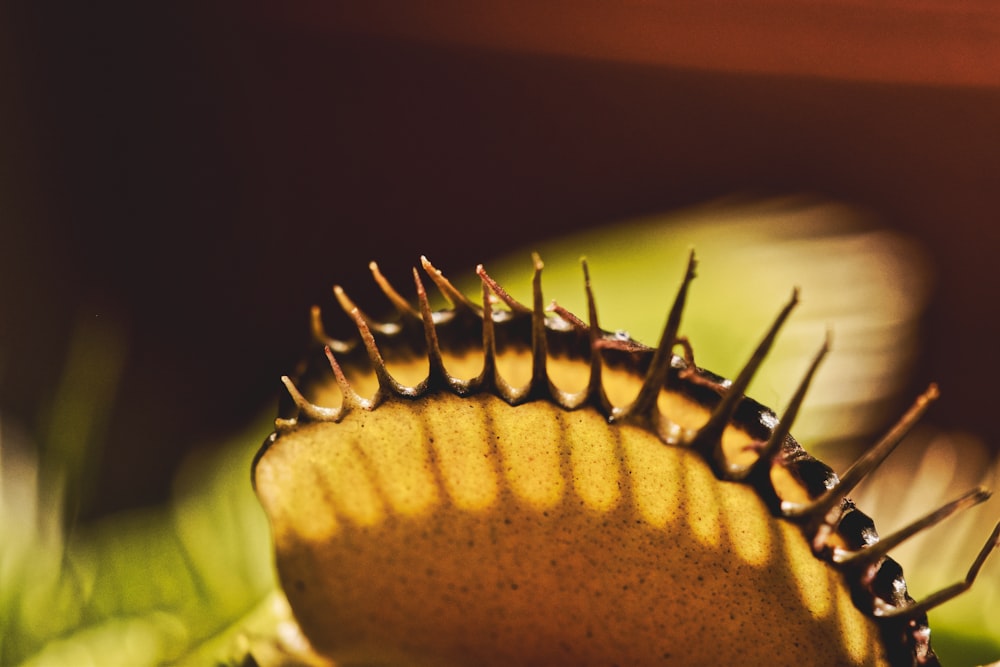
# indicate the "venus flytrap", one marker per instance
pixel 615 503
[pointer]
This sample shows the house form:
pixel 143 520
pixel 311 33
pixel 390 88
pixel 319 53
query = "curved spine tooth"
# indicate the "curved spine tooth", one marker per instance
pixel 566 315
pixel 501 293
pixel 489 341
pixel 688 353
pixel 490 377
pixel 453 295
pixel 708 440
pixel 877 550
pixel 430 332
pixel 320 336
pixel 761 468
pixel 595 385
pixel 401 304
pixel 539 386
pixel 824 512
pixel 436 369
pixel 385 381
pixel 885 610
pixel 349 307
pixel 306 409
pixel 645 402
pixel 351 398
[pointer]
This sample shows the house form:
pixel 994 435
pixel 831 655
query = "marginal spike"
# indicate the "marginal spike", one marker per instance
pixel 824 512
pixel 501 293
pixel 539 341
pixel 595 386
pixel 870 460
pixel 685 344
pixel 320 335
pixel 401 304
pixel 430 333
pixel 436 371
pixel 709 437
pixel 762 466
pixel 645 402
pixel 306 409
pixel 385 381
pixel 877 550
pixel 570 318
pixel 346 304
pixel 885 610
pixel 351 398
pixel 490 376
pixel 489 334
pixel 449 291
pixel 349 307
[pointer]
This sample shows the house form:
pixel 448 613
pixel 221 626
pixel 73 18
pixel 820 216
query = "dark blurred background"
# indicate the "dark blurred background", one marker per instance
pixel 201 174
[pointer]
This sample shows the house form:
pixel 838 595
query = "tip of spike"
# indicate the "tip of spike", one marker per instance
pixel 537 261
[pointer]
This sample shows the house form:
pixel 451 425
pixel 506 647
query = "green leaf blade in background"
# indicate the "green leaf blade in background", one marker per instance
pixel 142 587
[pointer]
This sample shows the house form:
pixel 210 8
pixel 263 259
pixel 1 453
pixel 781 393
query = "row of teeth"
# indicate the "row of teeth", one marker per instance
pixel 820 517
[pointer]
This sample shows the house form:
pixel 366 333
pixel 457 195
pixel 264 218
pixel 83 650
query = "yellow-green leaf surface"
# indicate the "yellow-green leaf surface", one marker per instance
pixel 142 588
pixel 464 531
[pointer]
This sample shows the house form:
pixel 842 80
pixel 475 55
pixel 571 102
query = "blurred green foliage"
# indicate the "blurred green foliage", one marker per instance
pixel 145 587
